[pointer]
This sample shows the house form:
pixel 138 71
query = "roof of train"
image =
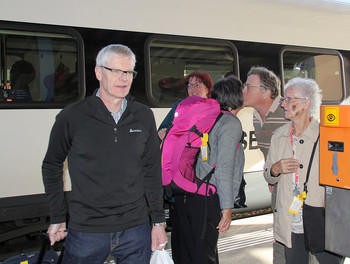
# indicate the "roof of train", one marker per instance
pixel 316 23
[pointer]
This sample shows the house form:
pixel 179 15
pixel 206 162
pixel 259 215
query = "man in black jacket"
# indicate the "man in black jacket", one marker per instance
pixel 114 163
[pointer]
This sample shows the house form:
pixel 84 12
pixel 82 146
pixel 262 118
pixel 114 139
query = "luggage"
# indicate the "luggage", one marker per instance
pixel 43 256
pixel 187 136
pixel 193 120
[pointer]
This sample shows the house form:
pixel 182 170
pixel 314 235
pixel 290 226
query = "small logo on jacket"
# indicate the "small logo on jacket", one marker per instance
pixel 135 130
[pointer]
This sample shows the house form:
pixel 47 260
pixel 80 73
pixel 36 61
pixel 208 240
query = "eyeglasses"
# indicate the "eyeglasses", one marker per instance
pixel 251 86
pixel 119 73
pixel 192 85
pixel 288 99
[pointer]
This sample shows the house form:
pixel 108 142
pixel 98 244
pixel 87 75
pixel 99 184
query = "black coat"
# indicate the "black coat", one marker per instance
pixel 113 167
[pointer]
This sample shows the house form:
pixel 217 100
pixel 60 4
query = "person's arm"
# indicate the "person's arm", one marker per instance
pixel 276 166
pixel 168 120
pixel 153 185
pixel 228 176
pixel 52 173
pixel 270 161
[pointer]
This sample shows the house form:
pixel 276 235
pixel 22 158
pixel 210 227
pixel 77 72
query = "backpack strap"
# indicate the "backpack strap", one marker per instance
pixel 200 134
pixel 206 180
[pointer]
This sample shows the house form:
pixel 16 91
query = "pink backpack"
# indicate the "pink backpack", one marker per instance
pixel 194 118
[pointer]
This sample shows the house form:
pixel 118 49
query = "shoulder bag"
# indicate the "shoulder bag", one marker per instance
pixel 313 219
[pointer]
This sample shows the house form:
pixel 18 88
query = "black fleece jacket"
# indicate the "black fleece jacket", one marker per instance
pixel 114 168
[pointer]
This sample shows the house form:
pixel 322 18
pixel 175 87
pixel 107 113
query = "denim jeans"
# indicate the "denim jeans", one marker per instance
pixel 132 246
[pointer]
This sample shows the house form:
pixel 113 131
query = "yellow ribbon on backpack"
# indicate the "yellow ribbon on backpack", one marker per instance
pixel 204 146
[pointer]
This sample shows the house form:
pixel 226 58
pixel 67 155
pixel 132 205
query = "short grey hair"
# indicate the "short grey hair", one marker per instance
pixel 268 80
pixel 109 51
pixel 310 90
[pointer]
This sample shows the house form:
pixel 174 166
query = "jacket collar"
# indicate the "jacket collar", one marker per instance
pixel 128 97
pixel 310 132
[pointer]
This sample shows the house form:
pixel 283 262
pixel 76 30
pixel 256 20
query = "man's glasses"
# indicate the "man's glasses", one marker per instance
pixel 119 73
pixel 288 99
pixel 251 86
pixel 194 85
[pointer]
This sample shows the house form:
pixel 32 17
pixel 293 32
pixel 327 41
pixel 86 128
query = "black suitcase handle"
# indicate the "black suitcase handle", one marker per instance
pixel 46 241
pixel 43 249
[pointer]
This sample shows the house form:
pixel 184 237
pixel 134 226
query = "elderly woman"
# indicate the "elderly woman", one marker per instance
pixel 287 164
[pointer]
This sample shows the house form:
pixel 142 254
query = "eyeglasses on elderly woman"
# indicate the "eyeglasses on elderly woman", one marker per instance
pixel 288 99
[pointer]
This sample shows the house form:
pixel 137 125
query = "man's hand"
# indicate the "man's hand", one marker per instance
pixel 57 232
pixel 159 238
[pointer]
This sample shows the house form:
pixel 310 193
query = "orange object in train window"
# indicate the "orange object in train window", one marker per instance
pixel 335 146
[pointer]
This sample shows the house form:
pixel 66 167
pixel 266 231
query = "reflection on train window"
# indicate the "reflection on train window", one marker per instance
pixel 173 59
pixel 37 67
pixel 325 69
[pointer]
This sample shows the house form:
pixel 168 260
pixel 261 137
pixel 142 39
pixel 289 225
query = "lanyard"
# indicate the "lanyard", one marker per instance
pixel 296 177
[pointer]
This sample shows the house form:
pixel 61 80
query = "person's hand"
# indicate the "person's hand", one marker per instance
pixel 159 238
pixel 56 232
pixel 161 133
pixel 285 166
pixel 225 221
pixel 271 186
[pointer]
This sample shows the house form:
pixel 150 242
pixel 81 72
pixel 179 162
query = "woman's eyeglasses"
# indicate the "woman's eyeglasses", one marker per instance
pixel 288 99
pixel 194 85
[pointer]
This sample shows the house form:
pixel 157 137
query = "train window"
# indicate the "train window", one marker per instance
pixel 325 67
pixel 38 68
pixel 171 59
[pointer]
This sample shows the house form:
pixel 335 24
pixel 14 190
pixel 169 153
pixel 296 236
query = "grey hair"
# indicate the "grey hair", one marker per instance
pixel 268 79
pixel 310 90
pixel 109 51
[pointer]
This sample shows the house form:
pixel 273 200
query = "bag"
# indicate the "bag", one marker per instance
pixel 161 257
pixel 50 257
pixel 194 118
pixel 241 198
pixel 313 218
pixel 32 258
pixel 43 256
pixel 314 228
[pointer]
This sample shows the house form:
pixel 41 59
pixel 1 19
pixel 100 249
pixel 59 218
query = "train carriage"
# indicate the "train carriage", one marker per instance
pixel 54 46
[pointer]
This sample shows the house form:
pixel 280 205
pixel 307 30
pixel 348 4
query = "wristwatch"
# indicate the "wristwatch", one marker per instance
pixel 163 224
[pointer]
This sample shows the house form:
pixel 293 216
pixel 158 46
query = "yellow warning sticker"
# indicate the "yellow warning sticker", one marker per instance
pixel 331 117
